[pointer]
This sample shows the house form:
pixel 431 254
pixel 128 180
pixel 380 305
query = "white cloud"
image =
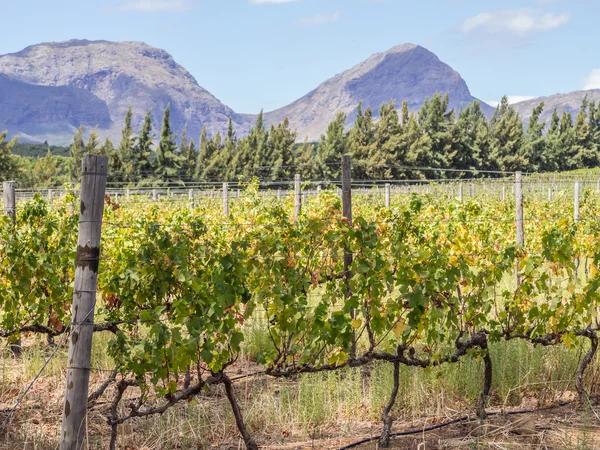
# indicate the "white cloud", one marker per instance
pixel 512 99
pixel 520 22
pixel 593 80
pixel 320 19
pixel 154 6
pixel 264 2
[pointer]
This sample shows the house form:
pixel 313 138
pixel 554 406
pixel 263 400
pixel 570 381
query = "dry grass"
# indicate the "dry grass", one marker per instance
pixel 326 411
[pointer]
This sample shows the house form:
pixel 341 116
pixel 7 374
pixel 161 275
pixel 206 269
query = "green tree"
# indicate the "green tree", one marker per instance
pixel 331 148
pixel 46 172
pixel 93 142
pixel 535 143
pixel 8 162
pixel 437 121
pixel 507 150
pixel 142 149
pixel 202 159
pixel 470 143
pixel 168 162
pixel 552 149
pixel 123 162
pixel 567 152
pixel 585 151
pixel 257 140
pixel 360 141
pixel 76 150
pixel 281 143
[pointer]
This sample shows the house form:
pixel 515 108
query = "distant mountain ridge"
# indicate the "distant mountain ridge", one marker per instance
pixel 569 102
pixel 118 75
pixel 405 72
pixel 48 90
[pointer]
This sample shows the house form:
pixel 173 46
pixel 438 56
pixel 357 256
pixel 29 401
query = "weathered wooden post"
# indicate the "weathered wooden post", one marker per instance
pixel 10 209
pixel 460 192
pixel 347 212
pixel 9 198
pixel 297 196
pixel 520 240
pixel 93 184
pixel 576 202
pixel 226 199
pixel 387 195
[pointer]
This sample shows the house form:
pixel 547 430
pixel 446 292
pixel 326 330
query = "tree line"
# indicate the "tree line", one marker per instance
pixel 393 144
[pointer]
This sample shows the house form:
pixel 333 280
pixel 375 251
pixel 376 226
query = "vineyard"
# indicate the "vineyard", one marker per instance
pixel 328 280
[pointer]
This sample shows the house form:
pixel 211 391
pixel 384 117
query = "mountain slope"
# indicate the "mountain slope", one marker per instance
pixel 570 102
pixel 406 72
pixel 122 74
pixel 48 111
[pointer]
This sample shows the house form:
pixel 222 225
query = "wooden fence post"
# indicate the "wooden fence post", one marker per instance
pixel 226 199
pixel 347 212
pixel 503 192
pixel 576 202
pixel 127 194
pixel 10 210
pixel 519 209
pixel 387 195
pixel 460 192
pixel 93 185
pixel 549 194
pixel 297 197
pixel 154 195
pixel 520 240
pixel 9 197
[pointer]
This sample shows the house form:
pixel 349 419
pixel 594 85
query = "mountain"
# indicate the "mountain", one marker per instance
pixel 570 102
pixel 49 111
pixel 48 90
pixel 406 72
pixel 100 77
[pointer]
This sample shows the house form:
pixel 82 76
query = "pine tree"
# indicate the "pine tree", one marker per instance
pixel 142 149
pixel 46 172
pixel 552 153
pixel 331 148
pixel 8 162
pixel 507 151
pixel 304 156
pixel 385 145
pixel 123 162
pixel 567 152
pixel 585 152
pixel 202 159
pixel 437 121
pixel 535 143
pixel 469 139
pixel 168 162
pixel 360 141
pixel 259 150
pixel 77 149
pixel 281 143
pixel 93 142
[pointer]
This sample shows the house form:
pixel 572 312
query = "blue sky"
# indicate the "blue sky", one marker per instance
pixel 254 54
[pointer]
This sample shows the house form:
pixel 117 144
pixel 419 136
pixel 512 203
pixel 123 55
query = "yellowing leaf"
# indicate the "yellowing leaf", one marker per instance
pixel 356 323
pixel 399 328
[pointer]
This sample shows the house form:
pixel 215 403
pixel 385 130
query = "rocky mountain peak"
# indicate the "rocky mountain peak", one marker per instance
pixel 123 74
pixel 405 72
